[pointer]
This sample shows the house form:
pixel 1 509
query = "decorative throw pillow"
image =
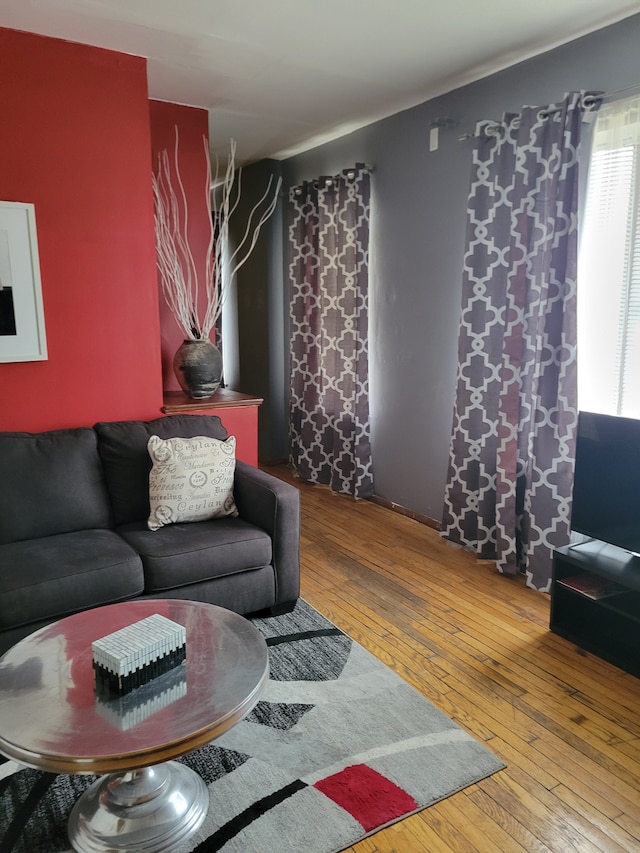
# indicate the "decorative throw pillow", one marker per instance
pixel 191 479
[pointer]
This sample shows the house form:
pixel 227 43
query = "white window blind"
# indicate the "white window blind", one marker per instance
pixel 609 266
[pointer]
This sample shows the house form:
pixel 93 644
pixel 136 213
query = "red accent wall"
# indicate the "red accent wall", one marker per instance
pixel 75 142
pixel 193 125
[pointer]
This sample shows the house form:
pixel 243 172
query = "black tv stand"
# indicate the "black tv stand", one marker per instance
pixel 595 601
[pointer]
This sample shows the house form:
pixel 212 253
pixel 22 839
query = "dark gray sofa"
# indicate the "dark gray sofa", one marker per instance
pixel 74 505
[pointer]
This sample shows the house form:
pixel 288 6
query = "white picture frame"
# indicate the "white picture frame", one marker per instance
pixel 22 328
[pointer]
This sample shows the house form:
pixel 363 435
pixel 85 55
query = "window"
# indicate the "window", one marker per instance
pixel 609 266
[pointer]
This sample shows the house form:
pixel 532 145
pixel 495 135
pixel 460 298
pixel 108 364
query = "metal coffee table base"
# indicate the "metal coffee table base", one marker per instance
pixel 149 810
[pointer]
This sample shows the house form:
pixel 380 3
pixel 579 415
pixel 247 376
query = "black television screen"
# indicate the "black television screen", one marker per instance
pixel 606 486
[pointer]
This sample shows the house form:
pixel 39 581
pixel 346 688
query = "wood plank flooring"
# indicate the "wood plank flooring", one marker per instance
pixel 477 645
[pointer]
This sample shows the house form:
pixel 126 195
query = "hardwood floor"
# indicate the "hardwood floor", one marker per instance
pixel 477 645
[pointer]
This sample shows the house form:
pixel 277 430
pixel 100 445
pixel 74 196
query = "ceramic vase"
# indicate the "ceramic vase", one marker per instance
pixel 198 368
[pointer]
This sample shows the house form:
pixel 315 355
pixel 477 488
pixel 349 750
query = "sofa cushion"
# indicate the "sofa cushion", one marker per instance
pixel 123 450
pixel 51 483
pixel 187 553
pixel 191 479
pixel 56 575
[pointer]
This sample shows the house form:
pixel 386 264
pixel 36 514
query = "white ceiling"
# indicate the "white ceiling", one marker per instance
pixel 281 76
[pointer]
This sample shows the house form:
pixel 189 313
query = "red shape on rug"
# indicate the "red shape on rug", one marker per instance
pixel 369 797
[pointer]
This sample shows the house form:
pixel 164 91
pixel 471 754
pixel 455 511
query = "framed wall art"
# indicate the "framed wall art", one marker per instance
pixel 22 330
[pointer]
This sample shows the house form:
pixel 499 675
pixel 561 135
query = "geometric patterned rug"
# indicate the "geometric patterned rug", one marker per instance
pixel 338 747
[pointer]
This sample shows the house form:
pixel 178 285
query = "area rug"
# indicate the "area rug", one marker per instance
pixel 338 747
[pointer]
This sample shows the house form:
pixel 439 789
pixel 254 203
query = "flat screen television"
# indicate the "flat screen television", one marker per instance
pixel 606 486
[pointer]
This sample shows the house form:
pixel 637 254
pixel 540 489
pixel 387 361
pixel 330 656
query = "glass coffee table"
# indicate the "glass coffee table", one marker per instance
pixel 51 718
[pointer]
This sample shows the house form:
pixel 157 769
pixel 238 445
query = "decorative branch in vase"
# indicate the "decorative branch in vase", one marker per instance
pixel 195 305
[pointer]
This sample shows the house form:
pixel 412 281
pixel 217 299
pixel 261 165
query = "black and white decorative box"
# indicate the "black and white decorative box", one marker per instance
pixel 134 655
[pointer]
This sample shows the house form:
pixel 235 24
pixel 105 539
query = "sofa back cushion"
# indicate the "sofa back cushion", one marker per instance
pixel 50 483
pixel 123 449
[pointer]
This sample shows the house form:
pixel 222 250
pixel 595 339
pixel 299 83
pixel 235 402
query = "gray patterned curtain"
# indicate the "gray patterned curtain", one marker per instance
pixel 329 271
pixel 512 447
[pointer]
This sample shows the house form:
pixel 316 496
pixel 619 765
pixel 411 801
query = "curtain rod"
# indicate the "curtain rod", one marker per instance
pixel 588 101
pixel 327 180
pixel 605 95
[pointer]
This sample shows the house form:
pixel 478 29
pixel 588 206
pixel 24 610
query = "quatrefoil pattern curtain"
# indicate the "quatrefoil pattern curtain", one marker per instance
pixel 510 476
pixel 329 271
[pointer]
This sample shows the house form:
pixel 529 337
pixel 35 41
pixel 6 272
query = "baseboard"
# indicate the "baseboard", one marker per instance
pixel 403 510
pixel 376 499
pixel 272 463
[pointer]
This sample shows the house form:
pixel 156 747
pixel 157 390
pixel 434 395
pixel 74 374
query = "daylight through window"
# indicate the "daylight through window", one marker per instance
pixel 609 267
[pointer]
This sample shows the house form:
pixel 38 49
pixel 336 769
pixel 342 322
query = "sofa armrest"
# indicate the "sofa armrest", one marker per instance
pixel 274 506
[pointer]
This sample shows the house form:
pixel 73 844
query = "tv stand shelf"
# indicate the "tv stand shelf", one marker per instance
pixel 595 601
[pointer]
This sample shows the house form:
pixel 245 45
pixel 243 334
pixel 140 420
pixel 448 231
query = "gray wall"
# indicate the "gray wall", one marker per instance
pixel 256 361
pixel 419 200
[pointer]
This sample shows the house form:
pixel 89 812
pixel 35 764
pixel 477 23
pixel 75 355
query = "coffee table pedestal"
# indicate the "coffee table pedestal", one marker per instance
pixel 149 810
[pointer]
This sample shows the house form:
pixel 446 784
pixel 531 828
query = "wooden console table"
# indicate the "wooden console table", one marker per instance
pixel 238 413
